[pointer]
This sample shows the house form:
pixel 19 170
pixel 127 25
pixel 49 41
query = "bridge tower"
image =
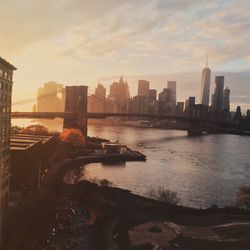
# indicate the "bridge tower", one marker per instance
pixel 198 113
pixel 76 102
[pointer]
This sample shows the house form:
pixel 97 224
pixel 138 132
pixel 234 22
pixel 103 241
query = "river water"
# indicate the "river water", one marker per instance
pixel 202 170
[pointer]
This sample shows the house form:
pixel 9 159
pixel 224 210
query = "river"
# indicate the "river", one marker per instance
pixel 202 170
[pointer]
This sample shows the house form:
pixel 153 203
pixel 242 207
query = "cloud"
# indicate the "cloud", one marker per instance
pixel 89 39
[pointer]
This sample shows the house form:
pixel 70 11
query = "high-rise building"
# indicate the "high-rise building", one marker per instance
pixel 218 97
pixel 6 73
pixel 119 93
pixel 152 95
pixel 139 104
pixel 238 114
pixel 227 99
pixel 189 104
pixel 100 91
pixel 143 88
pixel 179 107
pixel 100 99
pixel 205 86
pixel 51 97
pixel 172 86
pixel 166 101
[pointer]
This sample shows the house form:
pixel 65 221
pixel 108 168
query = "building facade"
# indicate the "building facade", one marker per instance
pixel 50 97
pixel 180 107
pixel 119 94
pixel 172 86
pixel 189 104
pixel 227 99
pixel 165 101
pixel 6 74
pixel 143 88
pixel 218 96
pixel 205 86
pixel 152 95
pixel 139 105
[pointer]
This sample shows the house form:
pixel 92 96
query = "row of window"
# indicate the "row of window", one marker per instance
pixel 5 168
pixel 6 75
pixel 6 87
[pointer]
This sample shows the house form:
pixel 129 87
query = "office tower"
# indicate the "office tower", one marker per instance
pixel 172 86
pixel 218 97
pixel 139 105
pixel 51 97
pixel 166 101
pixel 205 86
pixel 6 73
pixel 227 99
pixel 189 103
pixel 179 107
pixel 100 99
pixel 152 95
pixel 238 114
pixel 143 88
pixel 119 93
pixel 100 91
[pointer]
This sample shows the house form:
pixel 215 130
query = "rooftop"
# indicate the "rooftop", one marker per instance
pixel 7 64
pixel 24 141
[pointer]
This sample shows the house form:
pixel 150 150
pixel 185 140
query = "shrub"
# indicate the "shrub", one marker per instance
pixel 243 197
pixel 164 195
pixel 72 136
pixel 105 183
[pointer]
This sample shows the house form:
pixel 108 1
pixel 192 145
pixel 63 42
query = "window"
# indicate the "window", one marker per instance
pixel 1 73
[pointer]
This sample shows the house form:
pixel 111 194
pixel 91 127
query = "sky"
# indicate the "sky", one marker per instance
pixel 82 42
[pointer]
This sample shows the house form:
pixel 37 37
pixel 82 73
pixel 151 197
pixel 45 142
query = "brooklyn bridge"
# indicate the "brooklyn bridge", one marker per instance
pixel 76 115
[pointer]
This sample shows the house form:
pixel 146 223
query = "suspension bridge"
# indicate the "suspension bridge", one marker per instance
pixel 76 114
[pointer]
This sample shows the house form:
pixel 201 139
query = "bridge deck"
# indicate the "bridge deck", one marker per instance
pixel 70 115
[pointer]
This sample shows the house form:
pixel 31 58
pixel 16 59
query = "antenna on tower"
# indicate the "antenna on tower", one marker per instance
pixel 207 61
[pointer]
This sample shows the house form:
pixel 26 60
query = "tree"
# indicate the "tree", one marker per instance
pixel 105 183
pixel 164 195
pixel 72 136
pixel 243 197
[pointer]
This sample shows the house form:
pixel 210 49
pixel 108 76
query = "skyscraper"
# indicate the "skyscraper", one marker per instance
pixel 165 101
pixel 6 72
pixel 143 88
pixel 100 99
pixel 218 97
pixel 205 86
pixel 189 104
pixel 227 99
pixel 152 95
pixel 119 93
pixel 56 99
pixel 172 86
pixel 100 91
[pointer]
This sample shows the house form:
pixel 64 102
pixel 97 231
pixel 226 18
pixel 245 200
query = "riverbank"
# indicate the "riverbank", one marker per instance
pixel 89 216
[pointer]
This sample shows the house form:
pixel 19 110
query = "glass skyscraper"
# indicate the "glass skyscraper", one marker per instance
pixel 205 86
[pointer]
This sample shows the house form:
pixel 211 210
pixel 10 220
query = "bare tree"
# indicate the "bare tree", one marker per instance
pixel 164 195
pixel 243 197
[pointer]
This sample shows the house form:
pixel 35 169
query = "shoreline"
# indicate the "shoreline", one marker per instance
pixel 112 211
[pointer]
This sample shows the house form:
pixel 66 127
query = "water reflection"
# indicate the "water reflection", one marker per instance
pixel 202 170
